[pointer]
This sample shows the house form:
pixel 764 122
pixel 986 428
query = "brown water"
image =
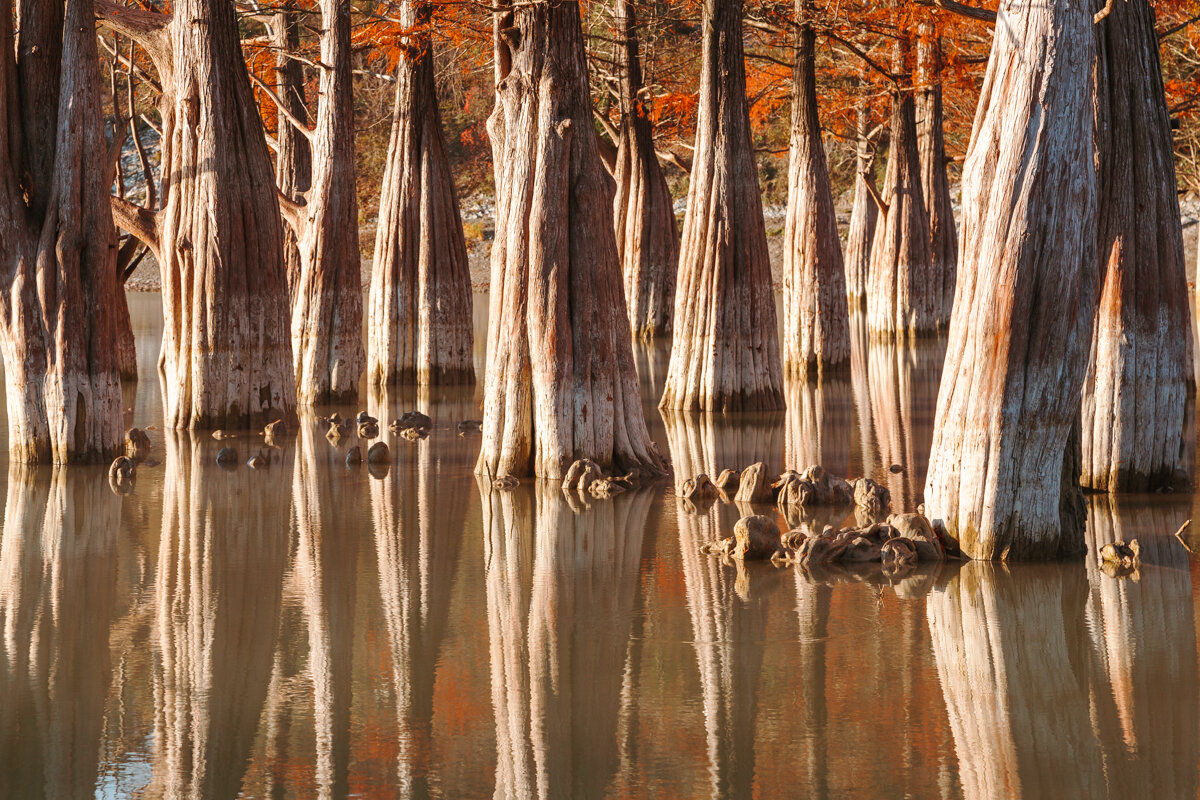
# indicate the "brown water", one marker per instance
pixel 313 631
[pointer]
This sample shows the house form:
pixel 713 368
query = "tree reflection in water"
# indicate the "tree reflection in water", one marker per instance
pixel 561 580
pixel 58 571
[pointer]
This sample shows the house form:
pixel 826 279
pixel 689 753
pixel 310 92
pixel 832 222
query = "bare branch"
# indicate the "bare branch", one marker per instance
pixel 281 107
pixel 136 221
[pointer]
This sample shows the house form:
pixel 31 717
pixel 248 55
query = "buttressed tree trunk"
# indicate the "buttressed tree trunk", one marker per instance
pixel 935 184
pixel 419 321
pixel 58 316
pixel 561 383
pixel 816 334
pixel 327 346
pixel 643 214
pixel 293 159
pixel 1018 339
pixel 902 295
pixel 225 360
pixel 725 351
pixel 1139 373
pixel 863 216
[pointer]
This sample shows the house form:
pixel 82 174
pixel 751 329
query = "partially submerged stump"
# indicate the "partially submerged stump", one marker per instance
pixel 1025 281
pixel 725 345
pixel 755 485
pixel 137 444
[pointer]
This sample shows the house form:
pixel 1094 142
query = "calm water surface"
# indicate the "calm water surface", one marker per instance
pixel 313 631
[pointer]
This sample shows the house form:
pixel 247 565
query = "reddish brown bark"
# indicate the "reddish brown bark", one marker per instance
pixel 561 383
pixel 935 183
pixel 419 323
pixel 1015 363
pixel 293 159
pixel 59 315
pixel 1140 370
pixel 902 294
pixel 725 350
pixel 643 214
pixel 816 331
pixel 864 215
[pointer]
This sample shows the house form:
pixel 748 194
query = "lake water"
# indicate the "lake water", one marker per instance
pixel 310 630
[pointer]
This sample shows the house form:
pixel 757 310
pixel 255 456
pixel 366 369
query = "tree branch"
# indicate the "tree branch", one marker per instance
pixel 137 221
pixel 281 107
pixel 955 7
pixel 292 212
pixel 147 28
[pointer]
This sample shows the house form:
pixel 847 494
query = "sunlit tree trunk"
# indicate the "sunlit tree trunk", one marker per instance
pixel 1023 309
pixel 725 350
pixel 561 383
pixel 1140 370
pixel 864 214
pixel 226 360
pixel 293 159
pixel 816 331
pixel 902 295
pixel 327 346
pixel 419 321
pixel 643 214
pixel 59 313
pixel 935 184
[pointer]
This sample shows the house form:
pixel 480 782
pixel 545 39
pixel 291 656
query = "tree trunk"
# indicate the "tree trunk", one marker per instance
pixel 419 323
pixel 561 383
pixel 1015 362
pixel 327 347
pixel 225 359
pixel 902 295
pixel 935 184
pixel 725 351
pixel 816 333
pixel 863 216
pixel 58 319
pixel 643 213
pixel 293 159
pixel 1139 373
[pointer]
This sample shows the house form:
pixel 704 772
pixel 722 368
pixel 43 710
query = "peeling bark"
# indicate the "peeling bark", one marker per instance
pixel 816 330
pixel 1140 371
pixel 902 294
pixel 725 350
pixel 935 184
pixel 327 346
pixel 864 215
pixel 419 321
pixel 59 314
pixel 1015 362
pixel 643 213
pixel 561 383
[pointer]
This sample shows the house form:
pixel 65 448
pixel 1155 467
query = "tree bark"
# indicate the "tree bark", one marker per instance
pixel 419 322
pixel 327 346
pixel 561 383
pixel 293 159
pixel 725 351
pixel 902 295
pixel 935 184
pixel 864 215
pixel 58 319
pixel 1139 373
pixel 816 335
pixel 225 360
pixel 643 213
pixel 1015 362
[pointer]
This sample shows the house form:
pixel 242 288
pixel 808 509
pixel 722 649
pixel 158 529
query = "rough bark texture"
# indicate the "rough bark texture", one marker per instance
pixel 643 213
pixel 561 383
pixel 225 360
pixel 59 314
pixel 725 351
pixel 1015 362
pixel 935 184
pixel 902 294
pixel 561 586
pixel 419 321
pixel 1139 373
pixel 327 346
pixel 816 330
pixel 864 215
pixel 293 159
pixel 58 599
